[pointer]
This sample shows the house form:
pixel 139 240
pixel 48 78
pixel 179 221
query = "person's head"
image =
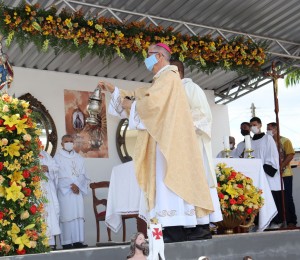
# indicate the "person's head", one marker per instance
pixel 231 142
pixel 180 67
pixel 203 258
pixel 138 242
pixel 272 129
pixel 159 56
pixel 67 142
pixel 247 257
pixel 245 128
pixel 255 123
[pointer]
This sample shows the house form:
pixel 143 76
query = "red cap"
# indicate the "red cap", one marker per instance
pixel 163 45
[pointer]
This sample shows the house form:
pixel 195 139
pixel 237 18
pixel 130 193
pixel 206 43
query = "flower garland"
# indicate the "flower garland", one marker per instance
pixel 236 193
pixel 22 227
pixel 106 37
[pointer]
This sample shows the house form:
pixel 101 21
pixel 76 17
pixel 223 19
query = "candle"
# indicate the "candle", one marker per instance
pixel 247 142
pixel 226 143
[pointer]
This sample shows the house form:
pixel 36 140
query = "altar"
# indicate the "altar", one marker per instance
pixel 126 197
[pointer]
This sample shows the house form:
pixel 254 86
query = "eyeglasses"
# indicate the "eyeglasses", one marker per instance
pixel 151 52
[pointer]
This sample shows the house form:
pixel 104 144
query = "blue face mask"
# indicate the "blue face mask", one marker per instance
pixel 150 62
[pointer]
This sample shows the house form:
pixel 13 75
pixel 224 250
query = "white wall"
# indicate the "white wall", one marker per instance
pixel 48 87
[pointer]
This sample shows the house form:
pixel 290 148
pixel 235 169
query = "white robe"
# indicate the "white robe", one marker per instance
pixel 52 206
pixel 266 150
pixel 239 149
pixel 71 170
pixel 202 118
pixel 170 209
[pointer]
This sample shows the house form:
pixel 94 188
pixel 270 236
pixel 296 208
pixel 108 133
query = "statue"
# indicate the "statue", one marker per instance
pixel 139 248
pixel 6 71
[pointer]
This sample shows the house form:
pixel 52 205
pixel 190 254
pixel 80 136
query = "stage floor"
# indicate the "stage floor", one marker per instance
pixel 260 246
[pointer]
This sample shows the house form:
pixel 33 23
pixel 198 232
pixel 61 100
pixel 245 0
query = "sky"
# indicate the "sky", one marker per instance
pixel 263 99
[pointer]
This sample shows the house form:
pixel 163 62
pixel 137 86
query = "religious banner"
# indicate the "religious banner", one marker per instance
pixel 90 141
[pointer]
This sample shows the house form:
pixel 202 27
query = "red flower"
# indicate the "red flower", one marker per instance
pixel 221 195
pixel 232 201
pixel 21 252
pixel 240 186
pixel 1 121
pixel 26 174
pixel 10 128
pixel 33 209
pixel 233 174
pixel 27 192
pixel 249 211
pixel 1 215
pixel 1 166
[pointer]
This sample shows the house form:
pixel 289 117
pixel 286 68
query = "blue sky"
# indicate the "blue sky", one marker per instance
pixel 263 99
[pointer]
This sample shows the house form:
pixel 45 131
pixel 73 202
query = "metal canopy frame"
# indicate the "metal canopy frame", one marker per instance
pixel 287 53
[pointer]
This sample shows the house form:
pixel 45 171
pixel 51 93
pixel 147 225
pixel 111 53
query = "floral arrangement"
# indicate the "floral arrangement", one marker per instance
pixel 106 37
pixel 22 227
pixel 236 193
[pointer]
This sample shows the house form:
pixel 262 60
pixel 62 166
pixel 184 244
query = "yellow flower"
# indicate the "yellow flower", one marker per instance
pixel 23 241
pixel 16 177
pixel 14 192
pixel 11 120
pixel 12 149
pixel 21 127
pixel 90 23
pixel 2 191
pixel 68 23
pixel 49 18
pixel 38 193
pixel 27 9
pixel 14 229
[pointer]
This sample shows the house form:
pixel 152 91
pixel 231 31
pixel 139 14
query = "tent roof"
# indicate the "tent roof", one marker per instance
pixel 276 22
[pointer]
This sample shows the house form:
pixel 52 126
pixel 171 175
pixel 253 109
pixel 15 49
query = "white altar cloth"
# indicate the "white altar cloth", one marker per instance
pixel 126 197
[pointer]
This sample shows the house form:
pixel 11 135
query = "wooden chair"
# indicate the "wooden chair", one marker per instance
pixel 100 215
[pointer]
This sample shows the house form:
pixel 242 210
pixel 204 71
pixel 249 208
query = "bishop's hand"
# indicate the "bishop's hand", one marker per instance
pixel 106 86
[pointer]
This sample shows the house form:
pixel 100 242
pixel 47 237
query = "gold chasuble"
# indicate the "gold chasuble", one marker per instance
pixel 164 111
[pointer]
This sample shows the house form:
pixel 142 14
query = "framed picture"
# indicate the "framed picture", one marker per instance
pixel 90 141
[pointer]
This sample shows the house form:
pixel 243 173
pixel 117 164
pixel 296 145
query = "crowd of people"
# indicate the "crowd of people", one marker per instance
pixel 276 153
pixel 173 162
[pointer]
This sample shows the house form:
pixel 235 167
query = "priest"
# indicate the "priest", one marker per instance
pixel 72 186
pixel 167 159
pixel 202 119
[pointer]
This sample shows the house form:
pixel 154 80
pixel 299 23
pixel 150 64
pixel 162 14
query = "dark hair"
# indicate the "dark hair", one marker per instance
pixel 179 65
pixel 246 123
pixel 257 119
pixel 273 124
pixel 67 136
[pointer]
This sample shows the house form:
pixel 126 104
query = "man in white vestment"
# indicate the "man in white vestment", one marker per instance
pixel 240 148
pixel 264 148
pixel 168 163
pixel 49 168
pixel 72 186
pixel 202 119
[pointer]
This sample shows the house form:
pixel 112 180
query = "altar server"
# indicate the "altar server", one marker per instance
pixel 167 159
pixel 264 148
pixel 202 119
pixel 72 186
